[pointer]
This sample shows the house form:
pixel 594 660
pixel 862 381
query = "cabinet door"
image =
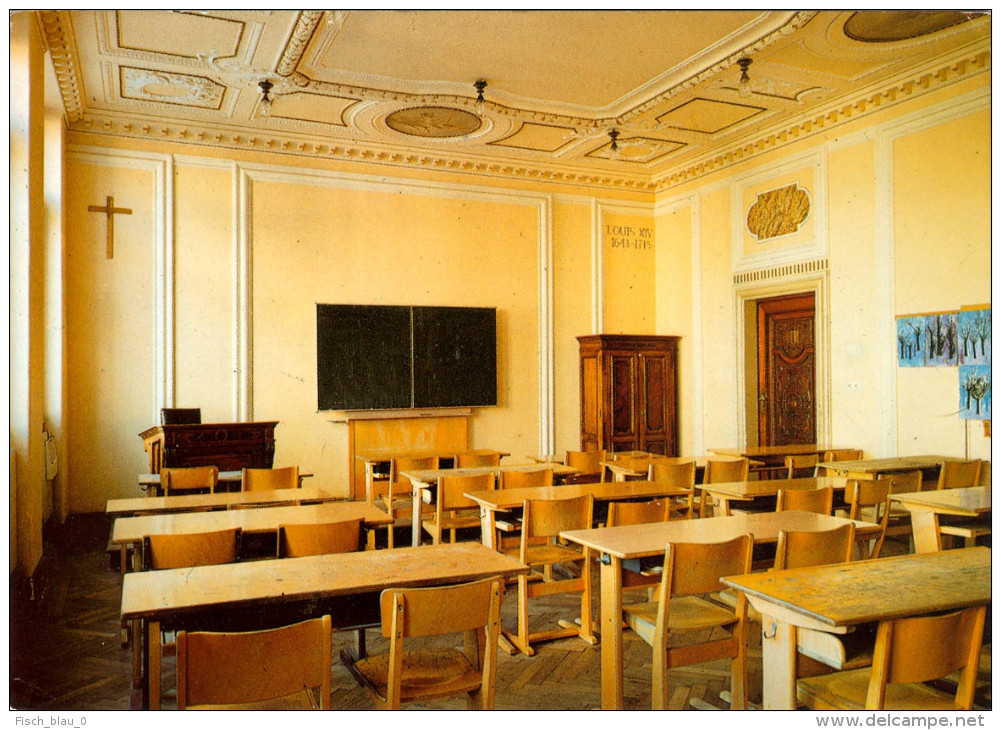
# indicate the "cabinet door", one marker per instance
pixel 590 403
pixel 657 408
pixel 621 432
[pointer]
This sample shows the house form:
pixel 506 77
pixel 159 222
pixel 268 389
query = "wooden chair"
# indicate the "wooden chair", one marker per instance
pixel 636 513
pixel 801 465
pixel 842 454
pixel 296 540
pixel 259 480
pixel 189 480
pixel 588 465
pixel 398 497
pixel 800 549
pixel 910 653
pixel 676 474
pixel 542 522
pixel 477 457
pixel 282 668
pixel 175 416
pixel 163 552
pixel 723 470
pixel 452 510
pixel 959 474
pixel 519 479
pixel 819 500
pixel 869 501
pixel 898 524
pixel 685 609
pixel 402 676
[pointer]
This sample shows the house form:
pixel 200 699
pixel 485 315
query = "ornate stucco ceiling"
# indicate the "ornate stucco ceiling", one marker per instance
pixel 397 87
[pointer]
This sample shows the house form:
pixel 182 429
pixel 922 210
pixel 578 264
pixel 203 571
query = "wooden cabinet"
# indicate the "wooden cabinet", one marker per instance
pixel 229 446
pixel 629 393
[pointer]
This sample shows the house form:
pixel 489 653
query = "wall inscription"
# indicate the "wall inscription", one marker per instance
pixel 629 238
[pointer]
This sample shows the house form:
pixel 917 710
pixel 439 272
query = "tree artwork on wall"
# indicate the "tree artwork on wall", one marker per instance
pixel 960 339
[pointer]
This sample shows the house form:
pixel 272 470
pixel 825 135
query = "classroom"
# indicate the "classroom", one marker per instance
pixel 323 241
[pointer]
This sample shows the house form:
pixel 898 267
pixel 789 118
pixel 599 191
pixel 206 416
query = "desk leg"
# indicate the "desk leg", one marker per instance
pixel 151 659
pixel 778 657
pixel 924 527
pixel 586 604
pixel 612 696
pixel 415 525
pixel 487 528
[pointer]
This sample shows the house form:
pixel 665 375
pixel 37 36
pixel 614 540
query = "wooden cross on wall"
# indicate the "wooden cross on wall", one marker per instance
pixel 110 210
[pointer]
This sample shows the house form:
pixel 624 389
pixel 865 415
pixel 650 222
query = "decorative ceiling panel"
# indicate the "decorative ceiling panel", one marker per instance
pixel 397 87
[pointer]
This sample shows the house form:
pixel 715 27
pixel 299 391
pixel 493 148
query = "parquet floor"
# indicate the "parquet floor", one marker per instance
pixel 66 655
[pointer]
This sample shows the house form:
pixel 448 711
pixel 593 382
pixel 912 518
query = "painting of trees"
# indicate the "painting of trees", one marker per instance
pixel 975 392
pixel 910 335
pixel 941 346
pixel 974 333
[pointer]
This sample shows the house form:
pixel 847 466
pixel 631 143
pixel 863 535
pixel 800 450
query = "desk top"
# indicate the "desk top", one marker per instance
pixel 428 477
pixel 893 463
pixel 872 590
pixel 637 541
pixel 263 519
pixel 153 480
pixel 382 456
pixel 770 487
pixel 218 500
pixel 160 593
pixel 505 499
pixel 787 450
pixel 969 501
pixel 611 456
pixel 638 465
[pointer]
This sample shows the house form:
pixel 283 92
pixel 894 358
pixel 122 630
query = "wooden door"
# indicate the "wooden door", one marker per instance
pixel 787 411
pixel 621 421
pixel 657 373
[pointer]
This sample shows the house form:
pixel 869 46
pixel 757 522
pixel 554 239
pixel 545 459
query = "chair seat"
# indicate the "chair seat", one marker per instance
pixel 458 522
pixel 304 700
pixel 847 691
pixel 688 613
pixel 840 651
pixel 426 672
pixel 547 554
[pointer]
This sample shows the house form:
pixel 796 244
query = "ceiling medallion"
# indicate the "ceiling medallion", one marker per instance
pixel 888 26
pixel 433 121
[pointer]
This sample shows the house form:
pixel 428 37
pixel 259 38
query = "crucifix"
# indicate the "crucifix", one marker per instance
pixel 110 211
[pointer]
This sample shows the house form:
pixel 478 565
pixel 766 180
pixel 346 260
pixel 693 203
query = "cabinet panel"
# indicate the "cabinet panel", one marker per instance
pixel 629 389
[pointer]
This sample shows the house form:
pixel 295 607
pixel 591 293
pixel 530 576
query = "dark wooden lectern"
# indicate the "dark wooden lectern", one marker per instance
pixel 229 446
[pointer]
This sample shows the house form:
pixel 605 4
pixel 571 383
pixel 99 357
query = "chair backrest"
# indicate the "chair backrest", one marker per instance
pixel 410 463
pixel 799 549
pixel 258 480
pixel 842 454
pixel 179 550
pixel 587 462
pixel 715 560
pixel 451 490
pixel 924 648
pixel 675 474
pixel 253 666
pixel 477 457
pixel 819 500
pixel 861 493
pixel 189 480
pixel 322 538
pixel 636 513
pixel 801 465
pixel 442 610
pixel 533 478
pixel 175 416
pixel 726 470
pixel 906 481
pixel 959 474
pixel 545 519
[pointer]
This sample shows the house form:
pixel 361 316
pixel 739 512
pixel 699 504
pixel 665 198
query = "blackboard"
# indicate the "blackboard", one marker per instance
pixel 393 357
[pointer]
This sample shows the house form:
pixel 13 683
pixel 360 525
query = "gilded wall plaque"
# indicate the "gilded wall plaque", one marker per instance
pixel 778 212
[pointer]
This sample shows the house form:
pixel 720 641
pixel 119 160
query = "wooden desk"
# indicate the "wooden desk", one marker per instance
pixel 131 530
pixel 723 493
pixel 637 467
pixel 227 445
pixel 872 468
pixel 773 457
pixel 832 598
pixel 376 462
pixel 926 507
pixel 229 481
pixel 218 500
pixel 186 598
pixel 621 548
pixel 503 500
pixel 425 482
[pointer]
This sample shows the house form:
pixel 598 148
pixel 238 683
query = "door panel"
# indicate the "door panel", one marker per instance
pixel 623 379
pixel 787 412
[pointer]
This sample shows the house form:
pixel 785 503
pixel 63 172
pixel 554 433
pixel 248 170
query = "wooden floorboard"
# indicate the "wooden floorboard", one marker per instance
pixel 66 652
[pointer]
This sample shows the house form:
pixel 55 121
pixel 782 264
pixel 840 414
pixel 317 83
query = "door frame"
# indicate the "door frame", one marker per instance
pixel 747 297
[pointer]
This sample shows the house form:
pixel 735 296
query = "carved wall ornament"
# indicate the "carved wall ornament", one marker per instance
pixel 145 85
pixel 778 212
